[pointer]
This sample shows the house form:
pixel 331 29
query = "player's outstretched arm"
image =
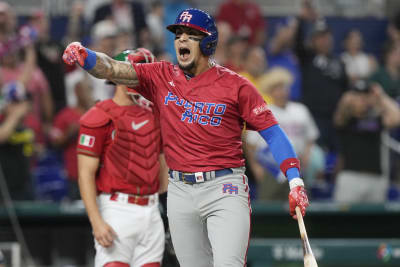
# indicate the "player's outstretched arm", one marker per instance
pixel 100 65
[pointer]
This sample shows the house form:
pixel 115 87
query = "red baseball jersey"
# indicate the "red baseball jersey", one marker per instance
pixel 127 141
pixel 202 118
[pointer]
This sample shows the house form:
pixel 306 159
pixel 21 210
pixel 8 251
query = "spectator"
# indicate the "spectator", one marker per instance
pixel 127 15
pixel 49 53
pixel 13 66
pixel 359 65
pixel 361 116
pixel 235 49
pixel 16 141
pixel 104 35
pixel 255 65
pixel 245 18
pixel 221 55
pixel 171 10
pixel 393 29
pixel 323 75
pixel 300 127
pixel 280 53
pixel 77 24
pixel 388 75
pixel 155 23
pixel 124 39
pixel 8 21
pixel 64 134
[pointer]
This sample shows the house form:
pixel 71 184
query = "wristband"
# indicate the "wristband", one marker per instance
pixel 288 164
pixel 90 60
pixel 296 182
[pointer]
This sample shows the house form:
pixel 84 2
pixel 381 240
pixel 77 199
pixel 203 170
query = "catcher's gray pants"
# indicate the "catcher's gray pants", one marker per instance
pixel 210 221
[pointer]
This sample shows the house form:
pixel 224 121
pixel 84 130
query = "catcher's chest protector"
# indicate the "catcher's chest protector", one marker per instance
pixel 133 154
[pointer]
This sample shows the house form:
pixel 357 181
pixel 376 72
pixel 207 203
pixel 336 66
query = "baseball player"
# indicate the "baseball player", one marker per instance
pixel 119 169
pixel 203 108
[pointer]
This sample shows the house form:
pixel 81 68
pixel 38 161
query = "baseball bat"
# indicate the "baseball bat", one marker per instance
pixel 309 259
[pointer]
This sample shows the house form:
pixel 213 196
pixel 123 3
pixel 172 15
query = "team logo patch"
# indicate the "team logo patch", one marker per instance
pixel 260 109
pixel 199 177
pixel 231 189
pixel 186 16
pixel 86 140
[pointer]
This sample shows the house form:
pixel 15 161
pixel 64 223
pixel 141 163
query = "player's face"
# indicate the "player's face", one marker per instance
pixel 187 47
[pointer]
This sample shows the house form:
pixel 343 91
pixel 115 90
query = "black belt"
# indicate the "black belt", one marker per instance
pixel 198 177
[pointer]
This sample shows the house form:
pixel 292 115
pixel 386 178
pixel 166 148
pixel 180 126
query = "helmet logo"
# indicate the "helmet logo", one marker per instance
pixel 185 16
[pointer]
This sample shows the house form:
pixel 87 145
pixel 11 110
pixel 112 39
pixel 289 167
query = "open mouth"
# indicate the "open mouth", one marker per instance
pixel 184 53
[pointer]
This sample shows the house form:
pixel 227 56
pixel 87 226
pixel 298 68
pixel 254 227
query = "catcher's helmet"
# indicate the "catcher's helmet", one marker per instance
pixel 201 21
pixel 139 55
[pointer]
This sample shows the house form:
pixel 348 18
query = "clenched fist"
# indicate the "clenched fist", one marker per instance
pixel 298 198
pixel 75 53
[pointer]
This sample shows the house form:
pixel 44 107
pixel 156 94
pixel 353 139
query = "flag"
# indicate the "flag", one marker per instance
pixel 86 140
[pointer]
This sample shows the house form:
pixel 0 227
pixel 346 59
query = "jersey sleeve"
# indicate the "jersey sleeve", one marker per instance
pixel 253 109
pixel 146 73
pixel 91 140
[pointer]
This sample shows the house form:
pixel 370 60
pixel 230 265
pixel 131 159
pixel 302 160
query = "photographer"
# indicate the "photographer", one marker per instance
pixel 361 116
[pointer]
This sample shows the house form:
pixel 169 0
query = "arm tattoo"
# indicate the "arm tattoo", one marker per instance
pixel 117 71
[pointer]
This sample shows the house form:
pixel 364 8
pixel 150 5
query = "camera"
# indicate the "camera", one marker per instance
pixel 361 86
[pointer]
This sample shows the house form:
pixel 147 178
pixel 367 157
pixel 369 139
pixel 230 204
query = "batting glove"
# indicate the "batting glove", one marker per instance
pixel 297 198
pixel 77 53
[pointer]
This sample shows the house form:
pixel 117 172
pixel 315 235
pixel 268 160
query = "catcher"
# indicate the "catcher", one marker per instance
pixel 120 167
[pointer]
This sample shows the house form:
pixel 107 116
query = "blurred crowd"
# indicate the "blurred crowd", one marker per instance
pixel 335 108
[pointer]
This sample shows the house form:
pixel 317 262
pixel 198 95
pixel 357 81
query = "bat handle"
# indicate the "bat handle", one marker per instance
pixel 301 222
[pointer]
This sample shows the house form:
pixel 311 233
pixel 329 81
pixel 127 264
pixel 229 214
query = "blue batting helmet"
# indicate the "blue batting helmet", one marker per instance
pixel 201 21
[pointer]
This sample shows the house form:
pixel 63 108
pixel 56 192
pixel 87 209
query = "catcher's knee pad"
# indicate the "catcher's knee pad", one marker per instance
pixel 152 264
pixel 116 264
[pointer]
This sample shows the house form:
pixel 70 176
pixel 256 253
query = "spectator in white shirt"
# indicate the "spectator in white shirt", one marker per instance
pixel 298 124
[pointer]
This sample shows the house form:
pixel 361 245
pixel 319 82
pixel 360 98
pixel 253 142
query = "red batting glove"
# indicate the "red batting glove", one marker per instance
pixel 298 198
pixel 75 53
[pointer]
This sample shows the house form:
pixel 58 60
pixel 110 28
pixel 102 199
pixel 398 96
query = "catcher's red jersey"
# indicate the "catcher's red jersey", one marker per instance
pixel 127 140
pixel 202 118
